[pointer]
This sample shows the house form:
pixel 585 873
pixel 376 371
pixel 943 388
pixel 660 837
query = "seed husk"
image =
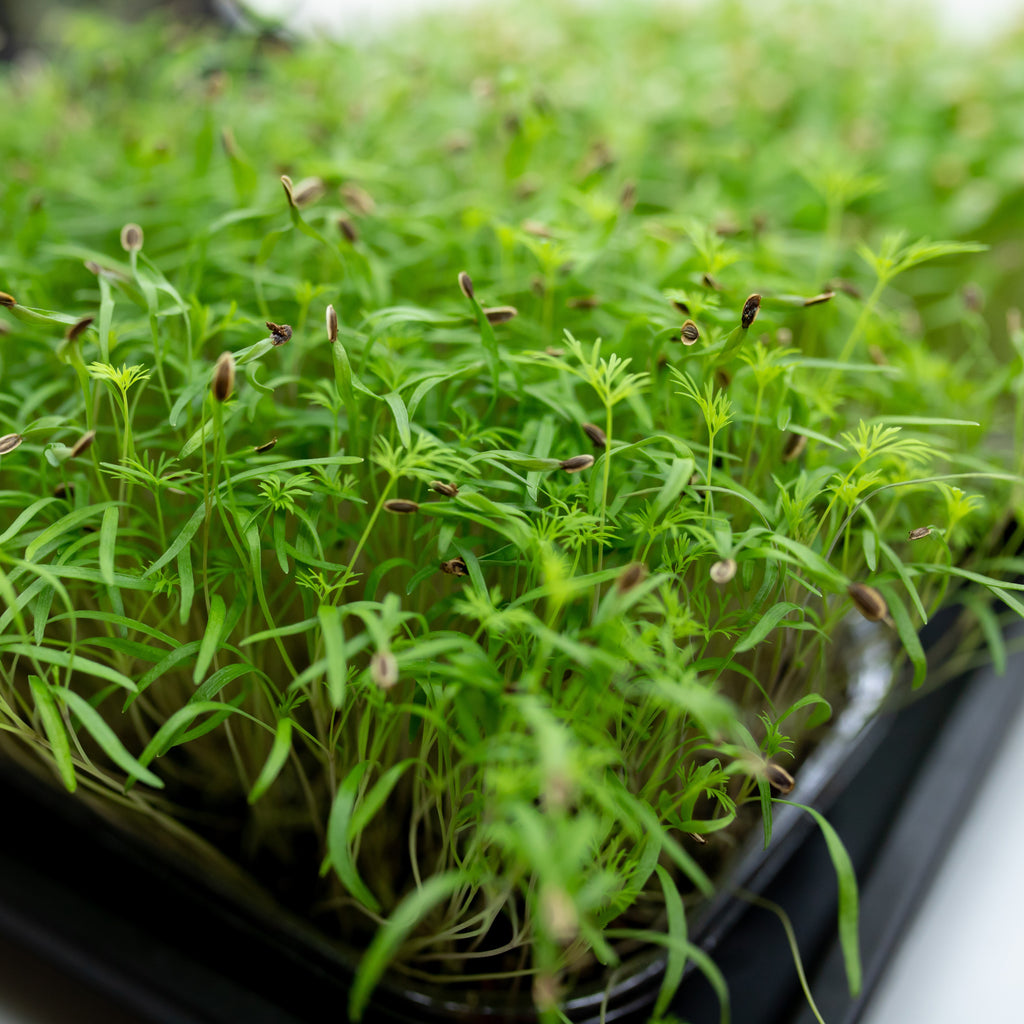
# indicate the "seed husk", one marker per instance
pixel 466 284
pixel 289 189
pixel 577 463
pixel 537 228
pixel 500 314
pixel 559 914
pixel 723 571
pixel 384 669
pixel 308 191
pixel 583 302
pixel 795 446
pixel 332 325
pixel 448 490
pixel 7 300
pixel 455 567
pixel 689 334
pixel 76 330
pixel 919 533
pixel 778 777
pixel 279 333
pixel 710 282
pixel 698 838
pixel 597 436
pixel 877 356
pixel 750 310
pixel 131 238
pixel 681 306
pixel 9 442
pixel 349 230
pixel 972 297
pixel 83 444
pixel 401 506
pixel 817 300
pixel 630 577
pixel 869 602
pixel 223 377
pixel 627 199
pixel 556 352
pixel 265 447
pixel 65 491
pixel 357 199
pixel 840 284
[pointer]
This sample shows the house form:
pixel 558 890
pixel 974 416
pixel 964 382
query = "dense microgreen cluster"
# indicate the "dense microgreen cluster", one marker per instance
pixel 465 457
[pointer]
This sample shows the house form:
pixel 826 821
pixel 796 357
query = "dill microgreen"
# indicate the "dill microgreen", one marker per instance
pixel 519 597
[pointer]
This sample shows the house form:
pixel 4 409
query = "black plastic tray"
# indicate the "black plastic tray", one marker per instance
pixel 79 893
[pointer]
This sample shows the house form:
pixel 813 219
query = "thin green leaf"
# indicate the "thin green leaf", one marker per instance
pixel 849 904
pixel 71 662
pixel 907 632
pixel 339 849
pixel 53 726
pixel 108 544
pixel 93 723
pixel 392 934
pixel 765 625
pixel 211 638
pixel 334 647
pixel 276 759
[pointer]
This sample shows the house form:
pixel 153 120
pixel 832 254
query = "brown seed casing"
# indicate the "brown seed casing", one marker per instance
pixel 723 571
pixel 65 491
pixel 846 287
pixel 9 442
pixel 289 189
pixel 681 306
pixel 877 356
pixel 7 300
pixel 750 310
pixel 348 230
pixel 597 436
pixel 308 191
pixel 466 284
pixel 577 463
pixel 630 577
pixel 627 200
pixel 83 444
pixel 279 333
pixel 795 446
pixel 131 238
pixel 401 507
pixel 500 314
pixel 817 300
pixel 357 199
pixel 448 490
pixel 76 330
pixel 778 778
pixel 332 325
pixel 919 533
pixel 223 377
pixel 265 447
pixel 583 302
pixel 710 282
pixel 689 334
pixel 869 602
pixel 455 567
